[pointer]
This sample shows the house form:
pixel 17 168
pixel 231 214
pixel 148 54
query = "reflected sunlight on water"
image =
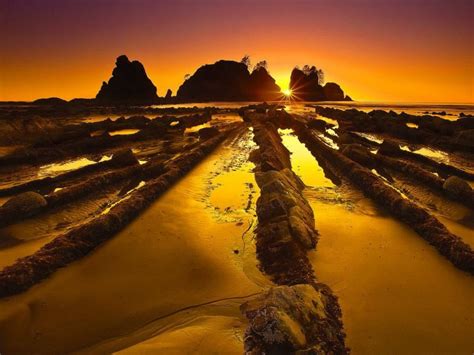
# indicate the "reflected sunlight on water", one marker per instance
pixel 396 292
pixel 51 169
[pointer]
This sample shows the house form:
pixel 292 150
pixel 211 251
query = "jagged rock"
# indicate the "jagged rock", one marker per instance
pixel 333 92
pixel 128 84
pixel 287 319
pixel 124 157
pixel 228 80
pixel 169 93
pixel 25 204
pixel 457 186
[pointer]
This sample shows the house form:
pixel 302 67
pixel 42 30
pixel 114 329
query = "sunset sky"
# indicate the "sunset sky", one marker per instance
pixel 393 50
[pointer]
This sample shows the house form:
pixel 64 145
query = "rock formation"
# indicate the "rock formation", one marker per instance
pixel 262 86
pixel 128 84
pixel 305 86
pixel 228 80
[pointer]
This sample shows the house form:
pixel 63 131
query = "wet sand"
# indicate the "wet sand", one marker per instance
pixel 172 281
pixel 397 294
pixel 172 257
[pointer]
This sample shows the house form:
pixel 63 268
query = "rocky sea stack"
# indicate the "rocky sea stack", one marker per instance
pixel 228 80
pixel 128 84
pixel 306 85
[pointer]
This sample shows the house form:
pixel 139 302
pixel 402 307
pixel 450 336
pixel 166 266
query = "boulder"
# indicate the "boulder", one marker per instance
pixel 124 157
pixel 207 132
pixel 287 319
pixel 128 84
pixel 457 186
pixel 25 204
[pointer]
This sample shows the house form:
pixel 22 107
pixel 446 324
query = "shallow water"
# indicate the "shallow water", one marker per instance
pixel 124 132
pixel 178 270
pixel 27 236
pixel 398 295
pixel 62 167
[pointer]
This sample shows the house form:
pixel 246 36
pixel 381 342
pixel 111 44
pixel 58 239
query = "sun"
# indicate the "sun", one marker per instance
pixel 286 92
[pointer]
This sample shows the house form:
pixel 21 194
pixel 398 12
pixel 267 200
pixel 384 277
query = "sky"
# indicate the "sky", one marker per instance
pixel 379 51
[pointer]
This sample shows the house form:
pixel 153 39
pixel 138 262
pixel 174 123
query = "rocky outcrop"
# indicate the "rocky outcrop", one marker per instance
pixel 448 135
pixel 305 86
pixel 128 84
pixel 23 205
pixel 228 80
pixel 421 221
pixel 262 86
pixel 53 101
pixel 124 157
pixel 299 315
pixel 333 92
pixel 457 187
pixel 169 94
pixel 83 239
pixel 287 319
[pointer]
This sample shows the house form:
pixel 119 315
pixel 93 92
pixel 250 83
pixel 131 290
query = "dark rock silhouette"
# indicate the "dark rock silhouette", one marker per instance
pixel 228 80
pixel 333 92
pixel 305 86
pixel 262 86
pixel 169 94
pixel 128 84
pixel 53 101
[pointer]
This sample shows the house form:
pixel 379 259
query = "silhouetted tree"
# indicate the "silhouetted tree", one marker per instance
pixel 320 77
pixel 246 60
pixel 309 70
pixel 262 64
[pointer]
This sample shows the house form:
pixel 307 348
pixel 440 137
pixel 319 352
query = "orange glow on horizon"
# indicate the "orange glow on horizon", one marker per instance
pixel 59 49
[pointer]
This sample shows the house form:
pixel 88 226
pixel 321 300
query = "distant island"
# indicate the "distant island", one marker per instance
pixel 225 80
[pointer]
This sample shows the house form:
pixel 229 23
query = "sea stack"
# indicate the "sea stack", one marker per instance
pixel 306 85
pixel 228 80
pixel 128 84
